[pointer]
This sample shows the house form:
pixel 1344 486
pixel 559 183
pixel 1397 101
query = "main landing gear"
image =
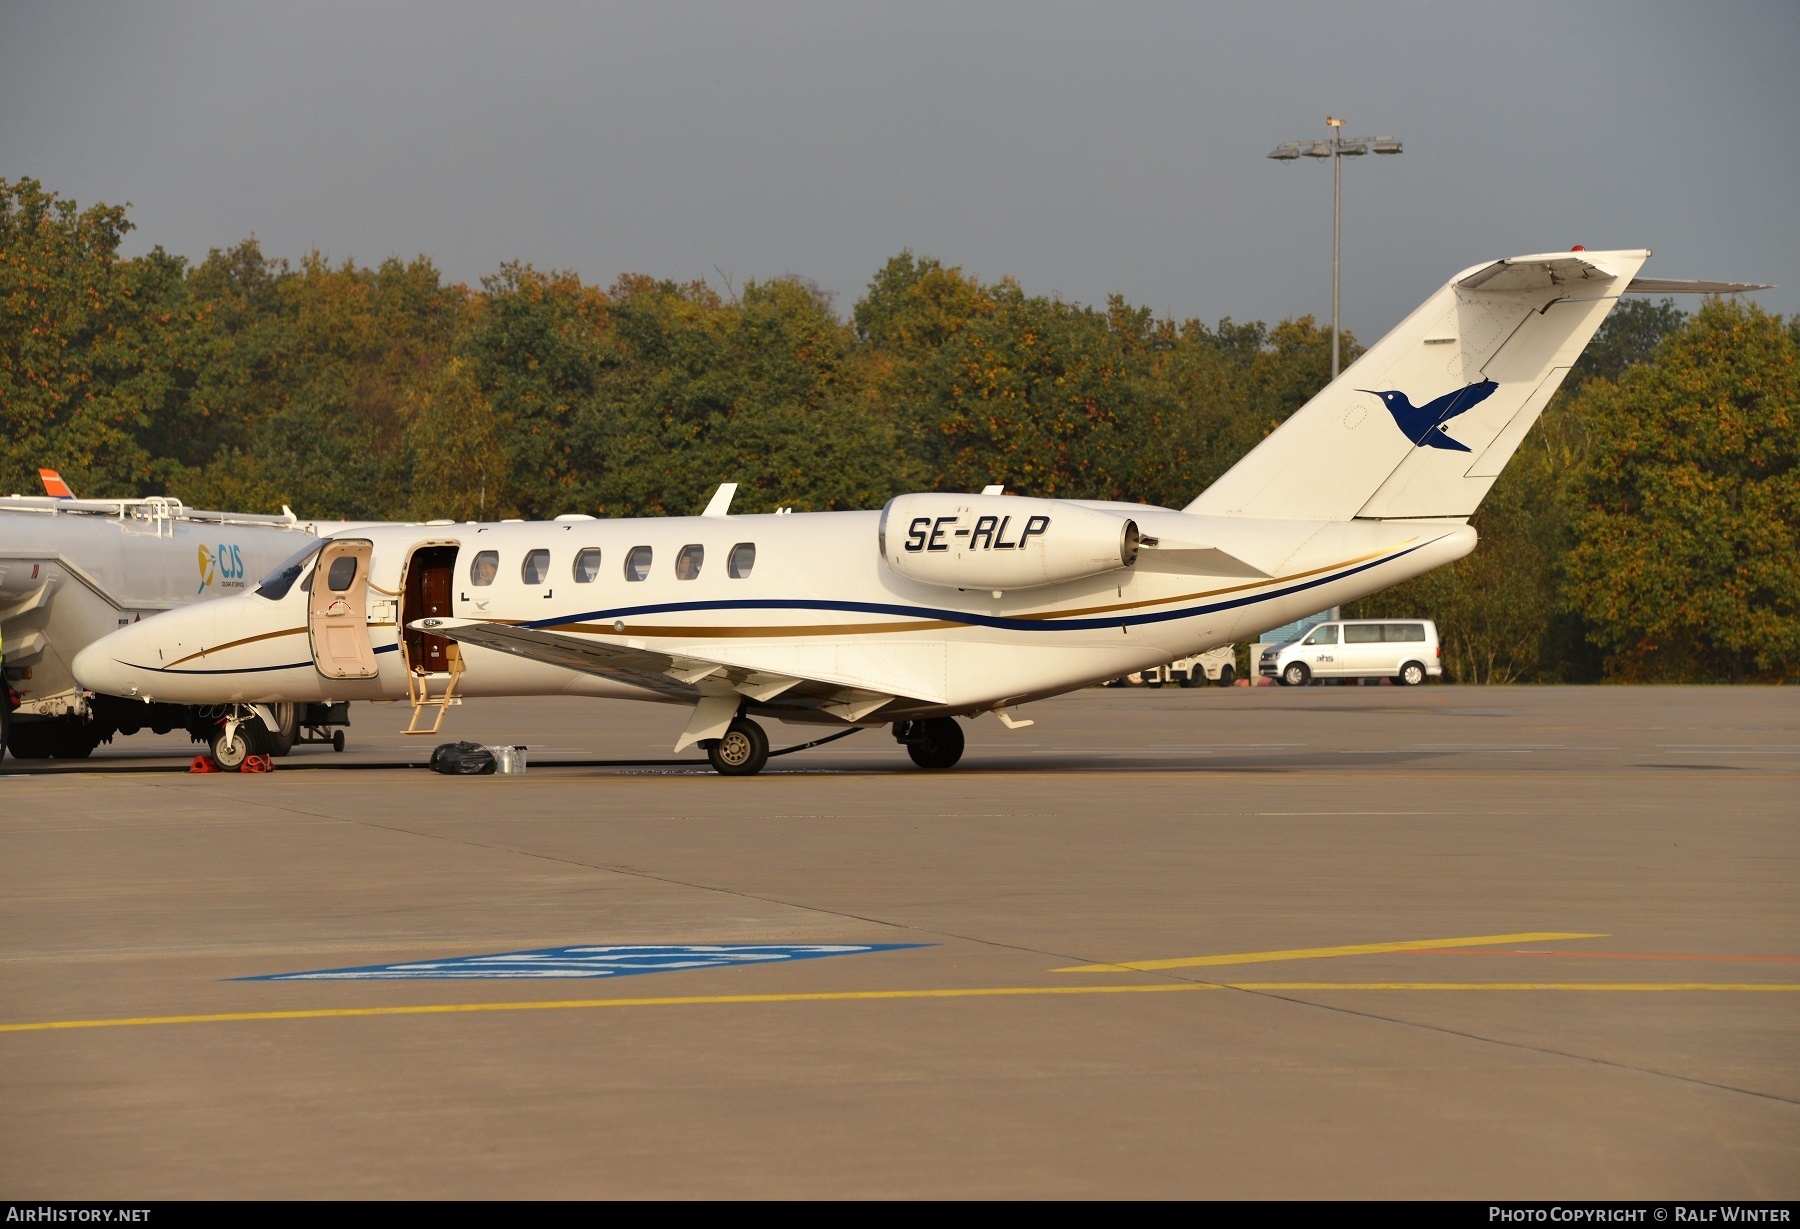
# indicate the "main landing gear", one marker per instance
pixel 743 749
pixel 742 752
pixel 936 742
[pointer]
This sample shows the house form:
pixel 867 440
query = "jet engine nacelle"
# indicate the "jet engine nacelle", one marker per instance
pixel 1001 541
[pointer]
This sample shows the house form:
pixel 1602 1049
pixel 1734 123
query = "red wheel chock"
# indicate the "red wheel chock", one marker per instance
pixel 204 763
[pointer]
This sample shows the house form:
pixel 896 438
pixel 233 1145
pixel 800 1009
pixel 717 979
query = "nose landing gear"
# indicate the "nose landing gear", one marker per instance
pixel 239 736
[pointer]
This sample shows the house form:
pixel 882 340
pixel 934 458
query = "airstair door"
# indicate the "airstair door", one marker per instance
pixel 338 610
pixel 429 575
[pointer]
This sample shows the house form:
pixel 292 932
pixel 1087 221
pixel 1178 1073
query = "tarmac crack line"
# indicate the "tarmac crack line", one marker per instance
pixel 1527 1047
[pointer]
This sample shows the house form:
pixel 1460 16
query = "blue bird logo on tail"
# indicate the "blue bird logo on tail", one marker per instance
pixel 1424 424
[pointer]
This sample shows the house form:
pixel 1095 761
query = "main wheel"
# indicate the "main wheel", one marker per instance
pixel 71 739
pixel 247 740
pixel 1296 675
pixel 742 752
pixel 1227 676
pixel 939 743
pixel 29 740
pixel 283 738
pixel 1411 675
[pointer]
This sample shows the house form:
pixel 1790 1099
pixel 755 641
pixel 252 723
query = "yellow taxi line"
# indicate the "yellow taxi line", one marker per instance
pixel 831 996
pixel 1319 953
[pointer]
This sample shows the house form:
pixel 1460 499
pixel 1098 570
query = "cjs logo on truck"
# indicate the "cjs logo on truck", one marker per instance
pixel 222 564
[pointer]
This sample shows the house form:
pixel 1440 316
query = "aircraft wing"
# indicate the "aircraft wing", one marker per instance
pixel 714 688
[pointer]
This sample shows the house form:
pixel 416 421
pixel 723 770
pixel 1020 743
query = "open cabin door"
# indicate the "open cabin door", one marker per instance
pixel 425 594
pixel 429 575
pixel 337 612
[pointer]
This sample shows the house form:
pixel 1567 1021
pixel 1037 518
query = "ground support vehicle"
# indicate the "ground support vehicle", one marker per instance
pixel 1405 651
pixel 73 570
pixel 1213 666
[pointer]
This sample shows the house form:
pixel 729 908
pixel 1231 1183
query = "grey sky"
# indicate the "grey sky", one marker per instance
pixel 1084 149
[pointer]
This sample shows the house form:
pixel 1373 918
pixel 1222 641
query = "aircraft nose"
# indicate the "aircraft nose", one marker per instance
pixel 99 669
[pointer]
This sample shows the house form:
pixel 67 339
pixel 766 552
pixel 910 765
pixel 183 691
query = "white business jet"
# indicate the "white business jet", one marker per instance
pixel 937 607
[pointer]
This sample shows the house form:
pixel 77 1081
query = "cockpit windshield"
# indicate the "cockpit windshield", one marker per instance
pixel 276 584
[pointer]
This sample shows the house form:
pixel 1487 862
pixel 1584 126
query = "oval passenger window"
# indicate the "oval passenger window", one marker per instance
pixel 687 563
pixel 535 568
pixel 343 572
pixel 484 567
pixel 587 566
pixel 741 560
pixel 637 563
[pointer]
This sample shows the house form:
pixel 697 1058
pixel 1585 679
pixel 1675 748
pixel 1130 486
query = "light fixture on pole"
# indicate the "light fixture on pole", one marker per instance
pixel 1337 149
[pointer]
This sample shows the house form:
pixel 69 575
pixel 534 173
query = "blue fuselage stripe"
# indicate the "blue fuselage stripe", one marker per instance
pixel 971 618
pixel 296 665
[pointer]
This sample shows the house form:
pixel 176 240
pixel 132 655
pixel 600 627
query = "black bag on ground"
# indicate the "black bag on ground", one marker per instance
pixel 462 760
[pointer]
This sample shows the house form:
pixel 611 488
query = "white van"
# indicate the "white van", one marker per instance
pixel 1405 650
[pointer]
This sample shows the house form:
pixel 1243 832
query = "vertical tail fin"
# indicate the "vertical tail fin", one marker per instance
pixel 1422 424
pixel 54 486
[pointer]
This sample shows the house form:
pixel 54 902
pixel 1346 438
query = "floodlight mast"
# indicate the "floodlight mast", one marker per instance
pixel 1337 149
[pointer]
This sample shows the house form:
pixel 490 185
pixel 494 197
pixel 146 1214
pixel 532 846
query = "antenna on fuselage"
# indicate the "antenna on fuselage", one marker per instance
pixel 720 504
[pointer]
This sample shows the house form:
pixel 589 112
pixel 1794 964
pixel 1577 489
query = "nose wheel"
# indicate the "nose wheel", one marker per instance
pixel 235 742
pixel 742 752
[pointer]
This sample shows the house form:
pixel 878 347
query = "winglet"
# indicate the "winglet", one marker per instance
pixel 720 504
pixel 54 486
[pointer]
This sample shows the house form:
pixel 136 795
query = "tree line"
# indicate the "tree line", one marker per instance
pixel 1645 531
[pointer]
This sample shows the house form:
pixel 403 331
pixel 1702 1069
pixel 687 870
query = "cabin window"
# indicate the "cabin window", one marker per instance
pixel 1323 635
pixel 587 566
pixel 741 560
pixel 637 563
pixel 484 567
pixel 536 568
pixel 342 574
pixel 687 563
pixel 1362 633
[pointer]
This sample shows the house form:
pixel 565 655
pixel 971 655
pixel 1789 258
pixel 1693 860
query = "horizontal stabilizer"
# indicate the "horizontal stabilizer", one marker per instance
pixel 1536 273
pixel 1663 285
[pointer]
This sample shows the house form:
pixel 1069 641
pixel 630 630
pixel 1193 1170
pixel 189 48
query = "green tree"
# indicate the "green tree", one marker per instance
pixel 1687 556
pixel 88 373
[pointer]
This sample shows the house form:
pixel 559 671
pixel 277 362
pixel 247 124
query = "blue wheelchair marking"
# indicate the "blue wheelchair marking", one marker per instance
pixel 611 960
